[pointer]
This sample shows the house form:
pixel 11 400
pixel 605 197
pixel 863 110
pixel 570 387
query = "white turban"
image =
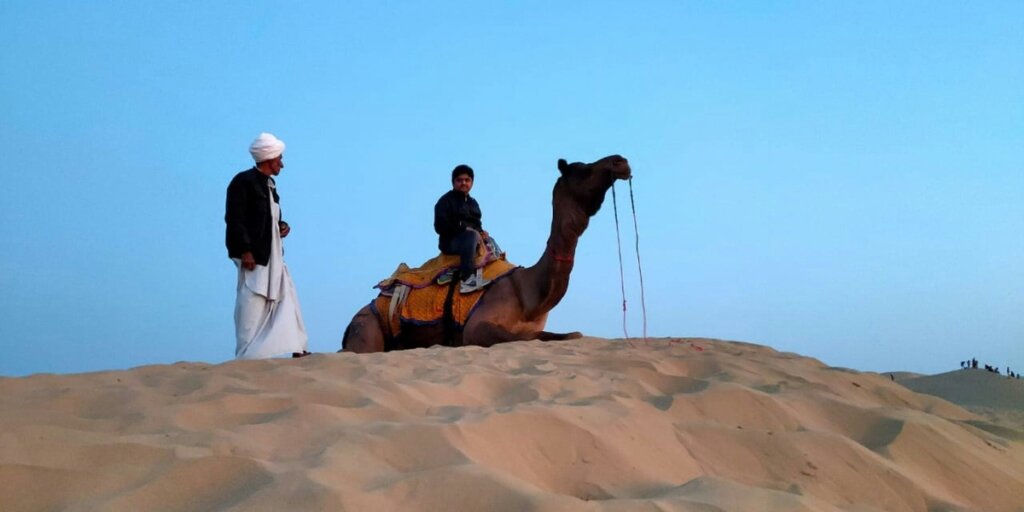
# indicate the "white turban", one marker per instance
pixel 266 147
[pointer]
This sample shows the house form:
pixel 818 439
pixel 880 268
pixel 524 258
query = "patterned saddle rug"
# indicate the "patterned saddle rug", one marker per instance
pixel 417 295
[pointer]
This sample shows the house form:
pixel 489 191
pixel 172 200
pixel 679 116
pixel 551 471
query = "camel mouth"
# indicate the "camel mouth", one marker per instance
pixel 622 172
pixel 620 168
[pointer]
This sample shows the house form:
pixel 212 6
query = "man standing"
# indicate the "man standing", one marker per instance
pixel 457 223
pixel 268 321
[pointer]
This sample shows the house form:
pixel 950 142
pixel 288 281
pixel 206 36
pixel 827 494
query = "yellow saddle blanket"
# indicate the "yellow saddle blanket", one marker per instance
pixel 420 298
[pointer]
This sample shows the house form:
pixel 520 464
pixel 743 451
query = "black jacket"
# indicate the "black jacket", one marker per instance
pixel 453 213
pixel 248 216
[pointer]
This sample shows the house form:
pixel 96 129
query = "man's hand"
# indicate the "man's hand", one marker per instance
pixel 285 228
pixel 248 262
pixel 484 235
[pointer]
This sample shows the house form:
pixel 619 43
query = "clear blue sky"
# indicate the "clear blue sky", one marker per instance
pixel 840 179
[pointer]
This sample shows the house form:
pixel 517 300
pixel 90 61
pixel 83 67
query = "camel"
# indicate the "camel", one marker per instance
pixel 515 307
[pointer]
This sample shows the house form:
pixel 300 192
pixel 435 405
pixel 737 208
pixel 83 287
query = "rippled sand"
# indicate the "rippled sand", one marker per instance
pixel 586 425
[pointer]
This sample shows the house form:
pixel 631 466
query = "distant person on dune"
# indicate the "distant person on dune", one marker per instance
pixel 268 321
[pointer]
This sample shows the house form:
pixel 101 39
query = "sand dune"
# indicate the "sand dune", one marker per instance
pixel 972 387
pixel 997 400
pixel 587 425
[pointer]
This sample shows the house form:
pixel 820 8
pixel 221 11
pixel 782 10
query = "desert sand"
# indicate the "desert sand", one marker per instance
pixel 587 425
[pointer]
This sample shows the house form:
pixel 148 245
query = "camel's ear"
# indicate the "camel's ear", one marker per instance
pixel 562 165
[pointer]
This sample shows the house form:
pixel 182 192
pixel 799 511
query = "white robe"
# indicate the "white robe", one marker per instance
pixel 268 321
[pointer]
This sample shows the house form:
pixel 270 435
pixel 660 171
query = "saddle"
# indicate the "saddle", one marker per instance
pixel 418 295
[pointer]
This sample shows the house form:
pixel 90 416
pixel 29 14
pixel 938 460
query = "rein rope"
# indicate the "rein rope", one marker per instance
pixel 639 266
pixel 622 277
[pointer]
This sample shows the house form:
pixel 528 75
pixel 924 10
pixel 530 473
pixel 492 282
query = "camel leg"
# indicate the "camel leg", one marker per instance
pixel 363 334
pixel 486 334
pixel 556 336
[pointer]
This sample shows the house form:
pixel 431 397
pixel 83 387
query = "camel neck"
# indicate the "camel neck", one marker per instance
pixel 547 281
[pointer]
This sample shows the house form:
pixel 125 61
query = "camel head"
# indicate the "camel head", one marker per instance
pixel 587 184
